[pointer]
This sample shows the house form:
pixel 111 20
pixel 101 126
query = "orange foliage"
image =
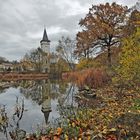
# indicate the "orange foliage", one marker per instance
pixel 90 77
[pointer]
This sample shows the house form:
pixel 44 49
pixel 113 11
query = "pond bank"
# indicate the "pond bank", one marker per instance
pixel 21 76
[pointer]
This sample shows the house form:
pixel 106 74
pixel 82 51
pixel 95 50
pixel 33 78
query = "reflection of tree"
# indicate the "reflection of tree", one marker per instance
pixel 17 133
pixel 34 89
pixel 11 127
pixel 2 90
pixel 68 98
pixel 31 90
pixel 7 84
pixel 58 89
pixel 42 92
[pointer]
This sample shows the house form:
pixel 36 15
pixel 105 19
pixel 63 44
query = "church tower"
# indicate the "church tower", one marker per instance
pixel 45 47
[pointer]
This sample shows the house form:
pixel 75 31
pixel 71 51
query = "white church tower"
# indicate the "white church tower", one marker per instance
pixel 45 47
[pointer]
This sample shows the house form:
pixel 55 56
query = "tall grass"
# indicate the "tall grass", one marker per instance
pixel 92 78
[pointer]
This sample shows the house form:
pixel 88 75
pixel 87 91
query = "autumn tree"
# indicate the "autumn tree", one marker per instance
pixel 62 66
pixel 33 60
pixel 84 43
pixel 25 63
pixel 65 50
pixel 129 68
pixel 133 22
pixel 102 29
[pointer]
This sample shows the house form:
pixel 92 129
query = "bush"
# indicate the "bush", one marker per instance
pixel 92 78
pixel 128 70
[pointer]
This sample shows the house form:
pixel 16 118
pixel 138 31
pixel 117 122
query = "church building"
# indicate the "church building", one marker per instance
pixel 45 48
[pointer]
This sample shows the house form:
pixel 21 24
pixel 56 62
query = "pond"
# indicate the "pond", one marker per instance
pixel 39 100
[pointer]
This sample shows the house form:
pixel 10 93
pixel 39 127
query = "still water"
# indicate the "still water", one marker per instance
pixel 40 100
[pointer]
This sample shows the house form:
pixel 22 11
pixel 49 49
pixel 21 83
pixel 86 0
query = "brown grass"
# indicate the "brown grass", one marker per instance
pixel 93 78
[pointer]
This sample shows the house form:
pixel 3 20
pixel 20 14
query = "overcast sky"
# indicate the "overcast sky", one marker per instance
pixel 22 22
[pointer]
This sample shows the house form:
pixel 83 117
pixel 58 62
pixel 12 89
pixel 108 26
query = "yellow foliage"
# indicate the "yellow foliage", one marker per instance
pixel 129 69
pixel 86 63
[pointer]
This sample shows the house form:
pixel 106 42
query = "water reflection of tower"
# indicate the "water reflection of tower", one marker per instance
pixel 46 100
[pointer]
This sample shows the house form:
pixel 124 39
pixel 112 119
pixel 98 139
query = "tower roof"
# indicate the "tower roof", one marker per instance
pixel 45 37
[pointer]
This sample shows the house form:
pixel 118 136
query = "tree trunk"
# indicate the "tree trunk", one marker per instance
pixel 109 56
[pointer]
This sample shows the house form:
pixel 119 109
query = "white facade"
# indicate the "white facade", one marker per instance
pixel 45 47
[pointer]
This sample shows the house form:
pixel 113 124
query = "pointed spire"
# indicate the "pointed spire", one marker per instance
pixel 45 37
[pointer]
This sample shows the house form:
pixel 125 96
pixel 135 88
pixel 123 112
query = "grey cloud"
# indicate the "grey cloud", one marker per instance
pixel 22 22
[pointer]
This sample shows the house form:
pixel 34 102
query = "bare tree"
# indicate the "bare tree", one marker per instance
pixel 65 49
